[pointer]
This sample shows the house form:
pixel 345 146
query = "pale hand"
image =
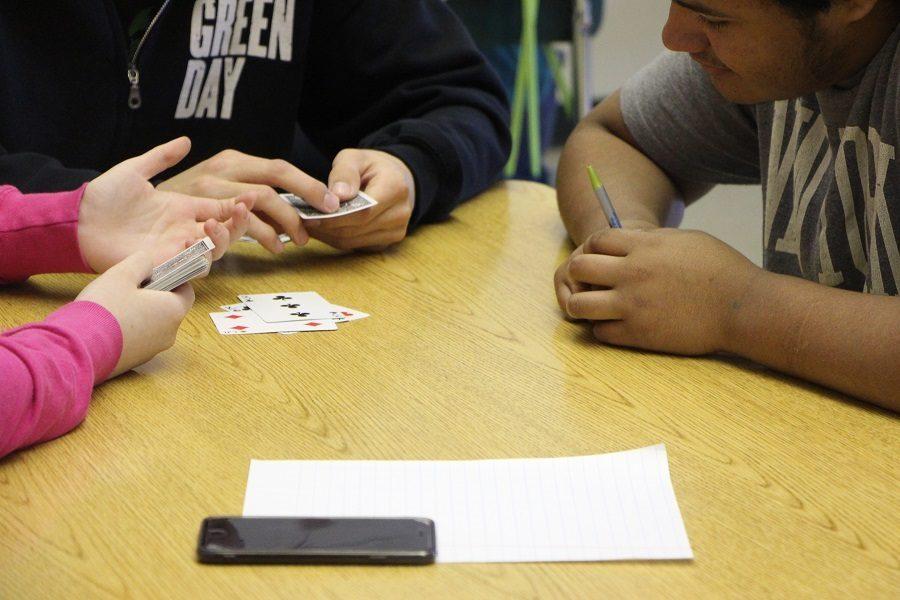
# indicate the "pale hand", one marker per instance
pixel 665 290
pixel 121 212
pixel 385 178
pixel 148 319
pixel 230 173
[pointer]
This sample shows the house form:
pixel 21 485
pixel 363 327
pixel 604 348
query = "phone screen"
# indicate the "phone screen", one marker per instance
pixel 317 540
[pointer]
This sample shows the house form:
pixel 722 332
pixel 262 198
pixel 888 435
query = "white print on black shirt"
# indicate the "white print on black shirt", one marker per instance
pixel 223 34
pixel 801 163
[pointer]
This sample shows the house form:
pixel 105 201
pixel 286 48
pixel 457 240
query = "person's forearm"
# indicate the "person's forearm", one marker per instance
pixel 639 189
pixel 49 369
pixel 39 234
pixel 840 339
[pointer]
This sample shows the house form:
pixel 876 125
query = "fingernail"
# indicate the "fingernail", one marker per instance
pixel 331 202
pixel 341 189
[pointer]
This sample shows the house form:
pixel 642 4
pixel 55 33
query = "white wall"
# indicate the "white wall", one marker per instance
pixel 629 38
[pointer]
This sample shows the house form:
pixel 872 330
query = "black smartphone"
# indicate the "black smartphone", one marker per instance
pixel 306 540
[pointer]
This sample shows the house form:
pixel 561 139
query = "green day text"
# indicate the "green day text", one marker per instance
pixel 223 34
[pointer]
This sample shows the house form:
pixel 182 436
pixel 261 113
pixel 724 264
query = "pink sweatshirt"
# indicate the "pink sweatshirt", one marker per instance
pixel 48 369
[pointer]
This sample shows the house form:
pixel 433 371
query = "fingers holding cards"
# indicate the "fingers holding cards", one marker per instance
pixel 307 212
pixel 194 261
pixel 309 216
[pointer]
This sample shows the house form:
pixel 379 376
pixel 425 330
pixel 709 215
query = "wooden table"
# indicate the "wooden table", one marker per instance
pixel 786 489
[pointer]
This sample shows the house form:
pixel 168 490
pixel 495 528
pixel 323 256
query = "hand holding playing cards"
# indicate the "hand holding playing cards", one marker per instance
pixel 149 319
pixel 385 178
pixel 230 173
pixel 121 212
pixel 665 289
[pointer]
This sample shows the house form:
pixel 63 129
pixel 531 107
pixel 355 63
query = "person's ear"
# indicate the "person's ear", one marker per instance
pixel 850 12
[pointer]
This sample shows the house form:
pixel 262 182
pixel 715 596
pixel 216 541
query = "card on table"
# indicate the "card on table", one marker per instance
pixel 247 322
pixel 288 306
pixel 361 202
pixel 340 314
pixel 234 307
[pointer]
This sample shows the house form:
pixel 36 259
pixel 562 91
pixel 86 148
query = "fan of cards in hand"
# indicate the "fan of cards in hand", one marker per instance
pixel 193 262
pixel 283 312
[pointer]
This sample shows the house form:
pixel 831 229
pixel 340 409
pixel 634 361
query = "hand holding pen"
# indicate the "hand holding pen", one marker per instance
pixel 605 203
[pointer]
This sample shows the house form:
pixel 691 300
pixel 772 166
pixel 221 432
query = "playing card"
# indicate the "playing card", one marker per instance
pixel 247 322
pixel 288 306
pixel 361 202
pixel 342 314
pixel 285 238
pixel 197 249
pixel 234 307
pixel 192 262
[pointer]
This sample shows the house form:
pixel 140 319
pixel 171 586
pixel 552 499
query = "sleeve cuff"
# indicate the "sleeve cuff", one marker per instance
pixel 425 174
pixel 42 236
pixel 97 328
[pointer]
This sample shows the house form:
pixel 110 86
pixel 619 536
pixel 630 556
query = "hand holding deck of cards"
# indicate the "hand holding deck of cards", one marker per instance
pixel 284 312
pixel 192 262
pixel 308 212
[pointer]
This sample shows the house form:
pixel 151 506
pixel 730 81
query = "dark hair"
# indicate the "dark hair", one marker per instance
pixel 809 8
pixel 805 8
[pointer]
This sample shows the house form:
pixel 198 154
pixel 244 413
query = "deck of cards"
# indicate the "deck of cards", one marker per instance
pixel 284 312
pixel 307 212
pixel 192 262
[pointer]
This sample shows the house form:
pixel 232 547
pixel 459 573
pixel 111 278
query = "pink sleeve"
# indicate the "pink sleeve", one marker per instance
pixel 49 369
pixel 39 234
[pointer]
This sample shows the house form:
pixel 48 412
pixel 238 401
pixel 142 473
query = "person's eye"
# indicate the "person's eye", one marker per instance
pixel 713 24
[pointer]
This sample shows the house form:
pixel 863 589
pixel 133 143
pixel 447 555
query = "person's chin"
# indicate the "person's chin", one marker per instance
pixel 734 90
pixel 726 82
pixel 740 90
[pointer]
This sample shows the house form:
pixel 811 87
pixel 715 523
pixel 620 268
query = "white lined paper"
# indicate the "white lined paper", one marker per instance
pixel 616 506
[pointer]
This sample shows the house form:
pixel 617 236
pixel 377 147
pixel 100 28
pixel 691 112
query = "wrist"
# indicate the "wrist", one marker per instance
pixel 420 173
pixel 746 311
pixel 97 328
pixel 85 229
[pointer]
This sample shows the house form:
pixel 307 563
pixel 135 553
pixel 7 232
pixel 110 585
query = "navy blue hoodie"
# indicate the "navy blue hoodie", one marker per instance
pixel 293 79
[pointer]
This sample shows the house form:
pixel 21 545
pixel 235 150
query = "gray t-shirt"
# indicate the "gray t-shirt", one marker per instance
pixel 827 162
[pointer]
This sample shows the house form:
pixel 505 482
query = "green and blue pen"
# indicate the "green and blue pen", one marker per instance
pixel 605 203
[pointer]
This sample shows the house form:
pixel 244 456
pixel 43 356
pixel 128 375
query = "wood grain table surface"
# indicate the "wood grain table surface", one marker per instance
pixel 787 489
